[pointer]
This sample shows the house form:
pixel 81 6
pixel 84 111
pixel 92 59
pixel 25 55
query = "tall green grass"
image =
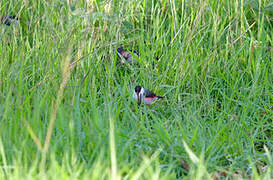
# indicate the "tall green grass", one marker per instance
pixel 66 107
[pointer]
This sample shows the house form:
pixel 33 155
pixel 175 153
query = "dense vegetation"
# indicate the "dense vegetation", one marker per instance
pixel 66 106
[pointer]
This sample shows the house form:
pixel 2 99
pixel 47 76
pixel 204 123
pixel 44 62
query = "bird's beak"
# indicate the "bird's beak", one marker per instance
pixel 138 98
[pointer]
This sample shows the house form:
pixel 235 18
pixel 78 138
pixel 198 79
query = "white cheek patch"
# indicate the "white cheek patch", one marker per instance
pixel 142 93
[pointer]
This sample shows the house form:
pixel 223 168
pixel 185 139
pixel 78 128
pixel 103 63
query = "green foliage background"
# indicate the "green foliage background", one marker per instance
pixel 212 60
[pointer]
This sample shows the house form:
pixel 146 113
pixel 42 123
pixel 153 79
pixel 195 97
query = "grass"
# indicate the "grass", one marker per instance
pixel 66 107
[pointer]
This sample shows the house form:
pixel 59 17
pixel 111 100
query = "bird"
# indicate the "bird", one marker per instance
pixel 142 94
pixel 8 20
pixel 126 55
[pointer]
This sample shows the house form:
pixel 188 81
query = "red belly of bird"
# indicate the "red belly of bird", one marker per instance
pixel 149 100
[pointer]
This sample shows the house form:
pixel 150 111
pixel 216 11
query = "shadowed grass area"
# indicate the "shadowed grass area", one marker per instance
pixel 66 106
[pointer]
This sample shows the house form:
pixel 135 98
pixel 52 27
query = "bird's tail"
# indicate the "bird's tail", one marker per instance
pixel 160 97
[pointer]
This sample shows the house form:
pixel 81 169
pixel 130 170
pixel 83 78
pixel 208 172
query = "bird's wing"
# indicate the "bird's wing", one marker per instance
pixel 149 93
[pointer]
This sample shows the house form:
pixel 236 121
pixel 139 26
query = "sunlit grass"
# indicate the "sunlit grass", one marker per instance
pixel 66 107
